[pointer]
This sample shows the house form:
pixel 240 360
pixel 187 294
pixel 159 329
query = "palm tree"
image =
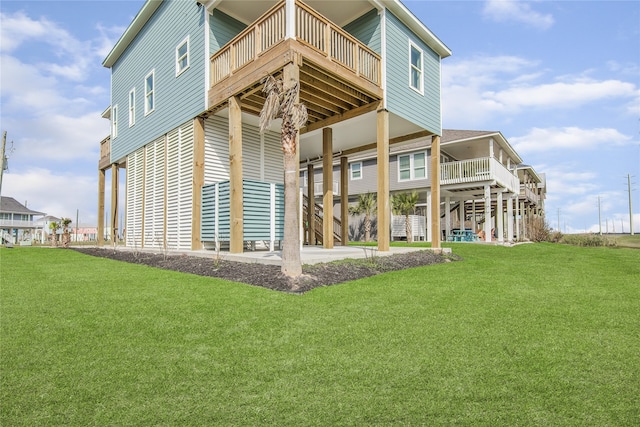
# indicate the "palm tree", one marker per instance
pixel 282 103
pixel 405 204
pixel 54 226
pixel 66 237
pixel 367 206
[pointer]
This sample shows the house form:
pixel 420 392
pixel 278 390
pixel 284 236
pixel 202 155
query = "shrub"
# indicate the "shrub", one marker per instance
pixel 587 240
pixel 538 230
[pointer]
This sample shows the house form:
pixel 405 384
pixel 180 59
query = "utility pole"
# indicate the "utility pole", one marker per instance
pixel 599 216
pixel 559 229
pixel 2 157
pixel 77 213
pixel 630 204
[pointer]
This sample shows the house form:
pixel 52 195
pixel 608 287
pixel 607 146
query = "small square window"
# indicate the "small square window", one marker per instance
pixel 356 170
pixel 412 166
pixel 182 56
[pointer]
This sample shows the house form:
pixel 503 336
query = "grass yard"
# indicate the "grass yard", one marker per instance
pixel 537 334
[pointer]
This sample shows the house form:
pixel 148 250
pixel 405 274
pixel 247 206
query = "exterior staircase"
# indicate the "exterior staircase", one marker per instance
pixel 319 220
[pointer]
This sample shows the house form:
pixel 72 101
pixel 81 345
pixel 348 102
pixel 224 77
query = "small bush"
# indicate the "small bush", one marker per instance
pixel 555 237
pixel 587 240
pixel 538 230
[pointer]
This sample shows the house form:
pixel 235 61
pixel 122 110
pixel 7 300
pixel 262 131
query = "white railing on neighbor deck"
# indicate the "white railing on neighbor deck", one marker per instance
pixel 476 170
pixel 529 194
pixel 312 29
pixel 16 223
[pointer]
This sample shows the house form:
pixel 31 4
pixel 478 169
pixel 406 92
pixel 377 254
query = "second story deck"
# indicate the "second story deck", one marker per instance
pixel 338 73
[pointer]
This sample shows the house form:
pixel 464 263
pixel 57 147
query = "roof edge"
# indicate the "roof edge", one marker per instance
pixel 418 27
pixel 132 30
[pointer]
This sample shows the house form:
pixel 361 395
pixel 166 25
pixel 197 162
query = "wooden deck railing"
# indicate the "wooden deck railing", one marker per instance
pixel 312 29
pixel 475 170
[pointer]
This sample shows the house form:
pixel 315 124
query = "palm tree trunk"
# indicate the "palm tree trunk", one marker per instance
pixel 291 264
pixel 367 227
pixel 407 223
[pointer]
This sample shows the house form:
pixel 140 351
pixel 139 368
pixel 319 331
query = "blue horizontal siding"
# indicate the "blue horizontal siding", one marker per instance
pixel 256 211
pixel 367 29
pixel 176 98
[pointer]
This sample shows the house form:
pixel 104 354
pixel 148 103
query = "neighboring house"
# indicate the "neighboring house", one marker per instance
pixel 186 93
pixel 479 173
pixel 44 231
pixel 17 222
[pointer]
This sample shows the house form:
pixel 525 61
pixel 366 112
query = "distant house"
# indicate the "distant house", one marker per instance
pixel 484 187
pixel 17 222
pixel 43 231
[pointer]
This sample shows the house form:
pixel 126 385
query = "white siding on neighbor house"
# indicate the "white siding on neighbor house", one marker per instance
pixel 180 186
pixel 261 159
pixel 154 203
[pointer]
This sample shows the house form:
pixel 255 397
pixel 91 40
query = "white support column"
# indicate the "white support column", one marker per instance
pixel 487 214
pixel 523 218
pixel 510 219
pixel 517 218
pixel 500 217
pixel 461 214
pixel 474 222
pixel 447 215
pixel 429 215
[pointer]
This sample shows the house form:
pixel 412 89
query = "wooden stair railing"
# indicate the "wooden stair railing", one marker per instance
pixel 319 220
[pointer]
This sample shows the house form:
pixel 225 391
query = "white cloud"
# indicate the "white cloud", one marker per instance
pixel 54 194
pixel 560 94
pixel 516 11
pixel 552 139
pixel 484 87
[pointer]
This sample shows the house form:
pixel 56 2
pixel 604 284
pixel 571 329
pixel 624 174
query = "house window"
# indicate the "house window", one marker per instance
pixel 132 107
pixel 356 170
pixel 149 93
pixel 114 121
pixel 182 56
pixel 412 166
pixel 415 68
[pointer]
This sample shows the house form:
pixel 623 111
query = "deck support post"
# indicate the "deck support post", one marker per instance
pixel 344 200
pixel 198 182
pixel 447 215
pixel 384 204
pixel 101 176
pixel 487 214
pixel 327 188
pixel 114 203
pixel 435 192
pixel 429 231
pixel 236 238
pixel 311 208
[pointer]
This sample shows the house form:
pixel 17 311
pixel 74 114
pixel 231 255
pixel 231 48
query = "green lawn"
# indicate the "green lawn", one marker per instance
pixel 536 334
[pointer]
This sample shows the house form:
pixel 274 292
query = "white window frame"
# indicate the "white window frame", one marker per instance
pixel 132 107
pixel 351 171
pixel 412 167
pixel 179 69
pixel 114 121
pixel 150 93
pixel 420 70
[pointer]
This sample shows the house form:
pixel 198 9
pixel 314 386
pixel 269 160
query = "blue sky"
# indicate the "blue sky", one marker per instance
pixel 559 79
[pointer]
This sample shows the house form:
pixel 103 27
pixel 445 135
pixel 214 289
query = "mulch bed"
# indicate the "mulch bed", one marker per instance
pixel 270 276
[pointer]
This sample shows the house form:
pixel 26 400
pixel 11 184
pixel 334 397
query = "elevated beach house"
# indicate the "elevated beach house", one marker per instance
pixel 186 93
pixel 485 190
